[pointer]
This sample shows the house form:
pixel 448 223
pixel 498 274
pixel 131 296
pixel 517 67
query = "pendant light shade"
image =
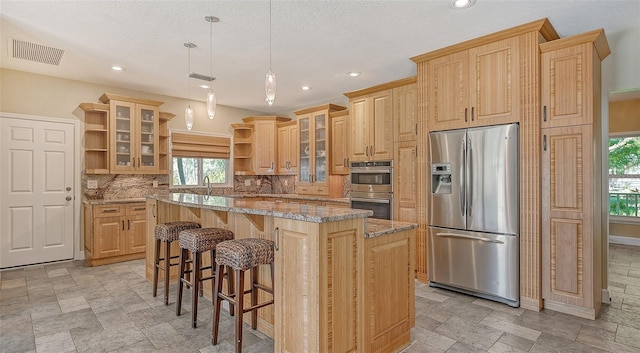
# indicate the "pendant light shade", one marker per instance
pixel 188 117
pixel 270 80
pixel 211 104
pixel 270 87
pixel 211 97
pixel 188 113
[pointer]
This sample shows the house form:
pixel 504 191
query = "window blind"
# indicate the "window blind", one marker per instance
pixel 200 146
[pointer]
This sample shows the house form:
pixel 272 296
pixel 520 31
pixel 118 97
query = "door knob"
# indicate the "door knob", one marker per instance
pixel 68 188
pixel 68 198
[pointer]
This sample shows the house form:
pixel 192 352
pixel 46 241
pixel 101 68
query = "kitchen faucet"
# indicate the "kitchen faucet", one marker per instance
pixel 206 182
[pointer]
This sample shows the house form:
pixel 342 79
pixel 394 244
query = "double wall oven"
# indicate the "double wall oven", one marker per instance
pixel 372 187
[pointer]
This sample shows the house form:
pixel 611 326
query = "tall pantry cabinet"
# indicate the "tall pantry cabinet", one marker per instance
pixel 572 206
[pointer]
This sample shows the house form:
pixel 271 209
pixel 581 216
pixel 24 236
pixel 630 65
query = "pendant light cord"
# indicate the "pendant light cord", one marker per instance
pixel 188 73
pixel 211 51
pixel 269 35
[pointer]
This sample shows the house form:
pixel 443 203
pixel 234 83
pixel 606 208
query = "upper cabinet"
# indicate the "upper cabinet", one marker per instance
pixel 315 159
pixel 96 138
pixel 569 76
pixel 340 142
pixel 126 135
pixel 288 148
pixel 405 113
pixel 475 87
pixel 134 138
pixel 255 144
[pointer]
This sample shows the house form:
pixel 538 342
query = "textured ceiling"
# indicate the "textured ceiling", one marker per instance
pixel 314 43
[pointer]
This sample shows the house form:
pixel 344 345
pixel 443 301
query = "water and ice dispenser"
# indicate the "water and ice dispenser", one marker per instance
pixel 441 178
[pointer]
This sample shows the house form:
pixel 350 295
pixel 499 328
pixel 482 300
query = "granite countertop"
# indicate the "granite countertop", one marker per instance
pixel 376 227
pixel 111 201
pixel 307 213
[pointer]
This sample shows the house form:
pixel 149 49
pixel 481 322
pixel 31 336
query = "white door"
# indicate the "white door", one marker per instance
pixel 36 196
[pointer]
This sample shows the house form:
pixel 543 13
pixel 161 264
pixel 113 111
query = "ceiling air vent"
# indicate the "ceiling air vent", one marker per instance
pixel 35 52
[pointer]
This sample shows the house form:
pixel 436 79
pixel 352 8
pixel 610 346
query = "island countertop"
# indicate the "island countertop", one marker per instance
pixel 300 212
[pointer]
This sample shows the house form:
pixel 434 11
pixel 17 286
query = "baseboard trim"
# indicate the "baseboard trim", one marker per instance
pixel 616 239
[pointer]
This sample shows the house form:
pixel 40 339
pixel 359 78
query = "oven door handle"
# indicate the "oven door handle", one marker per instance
pixel 370 171
pixel 357 199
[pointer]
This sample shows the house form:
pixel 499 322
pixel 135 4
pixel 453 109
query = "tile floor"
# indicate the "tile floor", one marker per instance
pixel 66 307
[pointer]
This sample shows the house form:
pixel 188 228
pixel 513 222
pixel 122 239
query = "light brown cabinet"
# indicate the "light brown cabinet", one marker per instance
pixel 405 113
pixel 133 135
pixel 475 87
pixel 340 142
pixel 572 205
pixel 288 148
pixel 371 136
pixel 315 152
pixel 96 138
pixel 126 135
pixel 405 181
pixel 114 233
pixel 255 145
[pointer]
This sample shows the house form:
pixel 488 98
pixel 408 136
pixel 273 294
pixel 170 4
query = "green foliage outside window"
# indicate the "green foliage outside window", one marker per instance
pixel 624 176
pixel 191 171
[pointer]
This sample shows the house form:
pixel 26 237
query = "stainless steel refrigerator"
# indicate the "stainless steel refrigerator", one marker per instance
pixel 474 243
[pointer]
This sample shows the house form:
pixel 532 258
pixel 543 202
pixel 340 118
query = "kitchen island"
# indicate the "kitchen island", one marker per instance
pixel 344 283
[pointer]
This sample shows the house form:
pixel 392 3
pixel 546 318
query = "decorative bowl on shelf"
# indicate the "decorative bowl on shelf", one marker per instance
pixel 306 151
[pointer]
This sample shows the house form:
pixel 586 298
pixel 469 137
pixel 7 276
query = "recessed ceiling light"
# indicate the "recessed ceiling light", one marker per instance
pixel 353 74
pixel 306 88
pixel 117 68
pixel 462 4
pixel 204 86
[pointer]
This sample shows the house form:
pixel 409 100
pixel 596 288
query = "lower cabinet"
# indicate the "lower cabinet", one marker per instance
pixel 114 233
pixel 358 294
pixel 571 250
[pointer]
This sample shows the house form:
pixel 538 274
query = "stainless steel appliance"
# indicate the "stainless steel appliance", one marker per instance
pixel 372 187
pixel 474 243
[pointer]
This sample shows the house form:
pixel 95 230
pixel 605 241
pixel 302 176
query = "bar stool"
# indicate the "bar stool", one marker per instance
pixel 167 233
pixel 198 241
pixel 241 255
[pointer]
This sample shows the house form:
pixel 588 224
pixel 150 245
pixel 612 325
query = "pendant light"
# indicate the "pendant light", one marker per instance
pixel 270 81
pixel 188 113
pixel 211 97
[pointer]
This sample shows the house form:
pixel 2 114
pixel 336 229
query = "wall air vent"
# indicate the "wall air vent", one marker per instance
pixel 35 52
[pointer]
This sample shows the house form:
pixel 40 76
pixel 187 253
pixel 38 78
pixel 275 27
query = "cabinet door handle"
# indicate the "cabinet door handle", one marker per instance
pixel 276 237
pixel 472 111
pixel 138 208
pixel 544 113
pixel 110 210
pixel 123 224
pixel 128 224
pixel 139 162
pixel 153 210
pixel 416 128
pixel 465 114
pixel 544 142
pixel 371 150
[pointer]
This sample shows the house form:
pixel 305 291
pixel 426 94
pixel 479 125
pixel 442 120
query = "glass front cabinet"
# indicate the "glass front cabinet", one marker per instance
pixel 314 130
pixel 134 135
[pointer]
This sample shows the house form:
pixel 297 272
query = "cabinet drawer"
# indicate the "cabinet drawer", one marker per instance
pixel 137 209
pixel 108 210
pixel 305 190
pixel 321 190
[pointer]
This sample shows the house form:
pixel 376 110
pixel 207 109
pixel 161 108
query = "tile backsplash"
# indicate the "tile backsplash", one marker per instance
pixel 131 186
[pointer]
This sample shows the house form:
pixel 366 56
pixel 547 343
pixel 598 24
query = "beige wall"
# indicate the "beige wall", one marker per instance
pixel 32 94
pixel 624 116
pixel 624 229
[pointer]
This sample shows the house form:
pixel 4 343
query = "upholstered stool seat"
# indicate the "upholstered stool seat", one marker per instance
pixel 197 241
pixel 241 255
pixel 167 233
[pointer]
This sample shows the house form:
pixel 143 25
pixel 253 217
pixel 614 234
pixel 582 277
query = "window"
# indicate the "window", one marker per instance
pixel 192 171
pixel 197 156
pixel 624 177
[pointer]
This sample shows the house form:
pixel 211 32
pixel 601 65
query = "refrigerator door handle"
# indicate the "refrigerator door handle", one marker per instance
pixel 470 180
pixel 463 156
pixel 462 236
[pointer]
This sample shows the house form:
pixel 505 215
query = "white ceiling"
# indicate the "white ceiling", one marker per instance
pixel 314 42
